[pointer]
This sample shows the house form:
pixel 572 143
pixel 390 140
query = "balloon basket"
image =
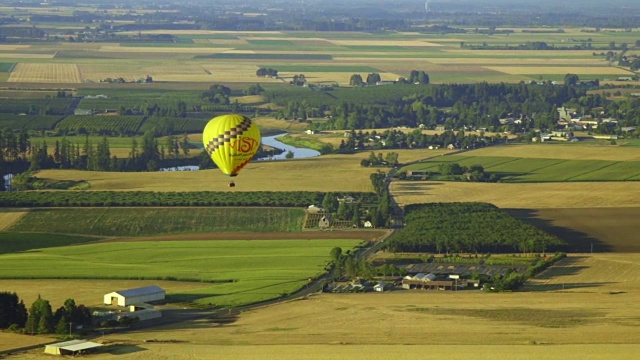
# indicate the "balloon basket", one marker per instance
pixel 232 184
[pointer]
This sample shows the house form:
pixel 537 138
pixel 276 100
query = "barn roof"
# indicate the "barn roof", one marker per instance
pixel 75 345
pixel 153 289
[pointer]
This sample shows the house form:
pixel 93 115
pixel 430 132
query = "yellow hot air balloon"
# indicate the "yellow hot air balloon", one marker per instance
pixel 231 140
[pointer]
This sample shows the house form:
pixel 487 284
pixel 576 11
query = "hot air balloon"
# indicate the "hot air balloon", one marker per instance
pixel 231 140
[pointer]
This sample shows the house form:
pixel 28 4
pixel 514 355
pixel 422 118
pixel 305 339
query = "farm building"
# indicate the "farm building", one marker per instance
pixel 72 347
pixel 135 296
pixel 381 286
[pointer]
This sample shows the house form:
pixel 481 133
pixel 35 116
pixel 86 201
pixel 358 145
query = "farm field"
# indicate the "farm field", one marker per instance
pixel 588 229
pixel 238 272
pixel 323 57
pixel 515 170
pixel 8 218
pixel 147 221
pixel 326 173
pixel 521 195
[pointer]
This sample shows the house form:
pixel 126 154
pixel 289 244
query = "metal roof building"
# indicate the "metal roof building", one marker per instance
pixel 135 296
pixel 70 347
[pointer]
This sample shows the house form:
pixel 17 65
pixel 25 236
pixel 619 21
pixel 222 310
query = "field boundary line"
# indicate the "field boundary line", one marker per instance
pixel 598 169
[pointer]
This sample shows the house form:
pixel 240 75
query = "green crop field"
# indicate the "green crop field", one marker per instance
pixel 29 122
pixel 322 68
pixel 137 222
pixel 515 169
pixel 6 67
pixel 11 242
pixel 248 271
pixel 95 123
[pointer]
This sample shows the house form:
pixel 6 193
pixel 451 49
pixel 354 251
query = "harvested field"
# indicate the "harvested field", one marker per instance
pixel 521 196
pixel 26 56
pixel 590 229
pixel 13 341
pixel 127 350
pixel 616 274
pixel 400 43
pixel 426 318
pixel 9 217
pixel 45 73
pixel 560 70
pixel 291 175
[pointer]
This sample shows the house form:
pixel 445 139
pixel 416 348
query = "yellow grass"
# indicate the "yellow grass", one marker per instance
pixel 45 73
pixel 26 56
pixel 13 341
pixel 149 351
pixel 407 43
pixel 610 272
pixel 563 152
pixel 330 173
pixel 8 218
pixel 501 61
pixel 521 53
pixel 559 70
pixel 9 47
pixel 199 32
pixel 249 99
pixel 521 196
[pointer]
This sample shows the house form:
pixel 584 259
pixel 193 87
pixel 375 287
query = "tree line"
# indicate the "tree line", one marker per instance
pixel 40 319
pixel 195 198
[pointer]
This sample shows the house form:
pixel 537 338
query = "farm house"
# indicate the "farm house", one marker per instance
pixel 135 296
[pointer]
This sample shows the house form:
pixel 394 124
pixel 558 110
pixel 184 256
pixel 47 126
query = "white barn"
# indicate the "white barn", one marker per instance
pixel 135 296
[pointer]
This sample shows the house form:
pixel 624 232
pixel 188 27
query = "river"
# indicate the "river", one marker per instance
pixel 298 153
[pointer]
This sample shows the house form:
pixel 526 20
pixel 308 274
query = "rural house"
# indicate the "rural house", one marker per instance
pixel 135 296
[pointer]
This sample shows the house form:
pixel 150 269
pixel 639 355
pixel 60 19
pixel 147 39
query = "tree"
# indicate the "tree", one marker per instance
pixel 12 310
pixel 571 79
pixel 289 155
pixel 373 78
pixel 336 254
pixel 330 202
pixel 356 80
pixel 40 319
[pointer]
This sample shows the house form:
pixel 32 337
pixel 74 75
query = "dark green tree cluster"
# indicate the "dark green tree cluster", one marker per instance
pixel 13 146
pixel 255 89
pixel 418 77
pixel 467 227
pixel 471 173
pixel 195 198
pixel 12 311
pixel 217 94
pixel 298 80
pixel 42 320
pixel 389 159
pixel 346 265
pixel 262 72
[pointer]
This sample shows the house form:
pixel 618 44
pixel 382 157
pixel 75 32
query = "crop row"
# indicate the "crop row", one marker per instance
pixel 29 122
pixel 57 106
pixel 149 198
pixel 98 123
pixel 156 221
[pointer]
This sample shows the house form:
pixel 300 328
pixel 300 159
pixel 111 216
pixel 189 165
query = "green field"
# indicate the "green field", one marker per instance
pixel 6 67
pixel 11 242
pixel 146 221
pixel 523 170
pixel 246 271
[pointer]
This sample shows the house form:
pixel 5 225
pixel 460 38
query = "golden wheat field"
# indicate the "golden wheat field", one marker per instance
pixel 45 73
pixel 521 196
pixel 560 70
pixel 321 174
pixel 8 218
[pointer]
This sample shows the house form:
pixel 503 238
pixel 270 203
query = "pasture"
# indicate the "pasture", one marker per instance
pixel 231 273
pixel 8 217
pixel 322 57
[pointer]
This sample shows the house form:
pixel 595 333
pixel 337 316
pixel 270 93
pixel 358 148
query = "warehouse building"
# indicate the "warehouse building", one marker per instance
pixel 135 296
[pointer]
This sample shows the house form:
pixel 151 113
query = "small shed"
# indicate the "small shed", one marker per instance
pixel 135 296
pixel 380 286
pixel 71 347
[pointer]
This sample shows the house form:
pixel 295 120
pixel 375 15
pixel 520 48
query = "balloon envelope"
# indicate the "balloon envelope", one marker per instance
pixel 231 140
